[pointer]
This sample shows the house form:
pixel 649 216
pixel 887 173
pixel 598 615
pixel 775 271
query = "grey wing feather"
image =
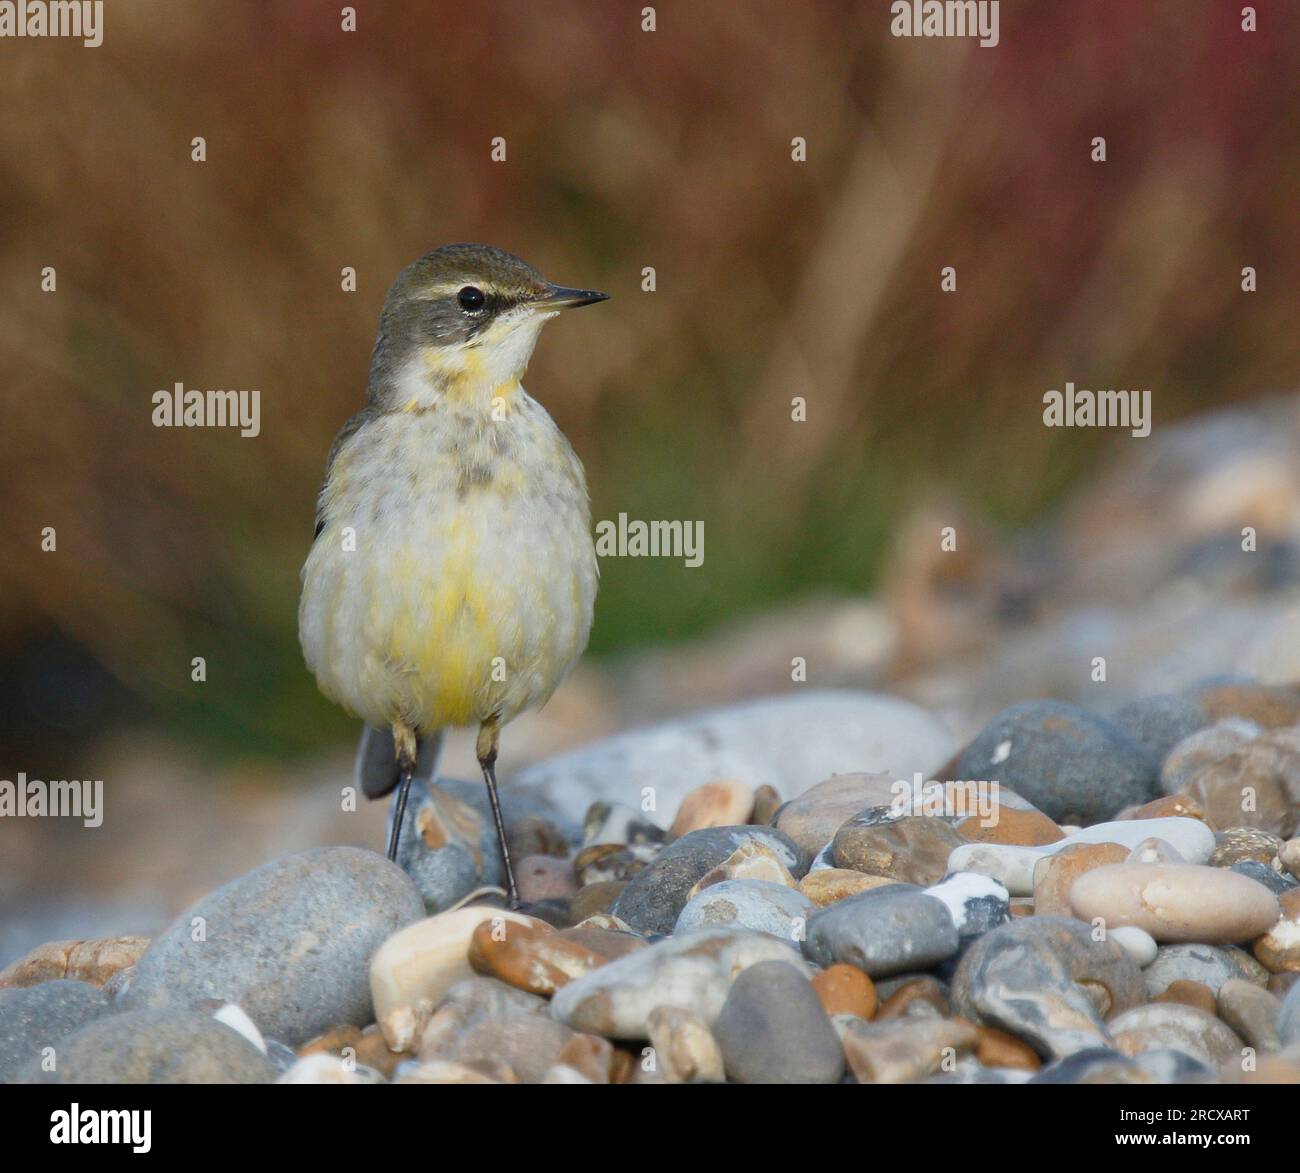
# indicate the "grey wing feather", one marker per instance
pixel 376 767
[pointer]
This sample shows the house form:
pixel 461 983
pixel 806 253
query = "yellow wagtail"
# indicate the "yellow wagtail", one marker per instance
pixel 452 576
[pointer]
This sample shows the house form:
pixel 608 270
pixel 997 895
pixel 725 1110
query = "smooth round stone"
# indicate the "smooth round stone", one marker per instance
pixel 1154 851
pixel 750 861
pixel 1189 994
pixel 685 1049
pixel 845 989
pixel 1207 964
pixel 595 899
pixel 749 904
pixel 545 877
pixel 42 1016
pixel 1272 706
pixel 154 1047
pixel 1252 1012
pixel 693 971
pixel 1046 980
pixel 1255 781
pixel 1093 1065
pixel 885 931
pixel 1289 857
pixel 772 1029
pixel 1160 722
pixel 724 803
pixel 535 958
pixel 1176 902
pixel 903 1050
pixel 791 742
pixel 1067 762
pixel 913 849
pixel 1137 943
pixel 1174 1026
pixel 1020 828
pixel 1278 950
pixel 1014 866
pixel 827 885
pixel 1237 844
pixel 290 943
pixel 1055 874
pixel 524 1045
pixel 656 895
pixel 811 819
pixel 976 903
pixel 442 877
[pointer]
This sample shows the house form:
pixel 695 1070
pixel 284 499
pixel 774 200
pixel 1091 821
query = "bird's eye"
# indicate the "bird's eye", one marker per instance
pixel 471 299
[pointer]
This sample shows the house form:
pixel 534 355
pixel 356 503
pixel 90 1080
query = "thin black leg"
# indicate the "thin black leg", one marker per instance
pixel 490 777
pixel 408 769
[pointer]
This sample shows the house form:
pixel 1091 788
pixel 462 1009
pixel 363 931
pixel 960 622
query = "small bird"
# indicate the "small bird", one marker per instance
pixel 452 576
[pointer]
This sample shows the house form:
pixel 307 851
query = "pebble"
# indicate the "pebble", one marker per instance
pixel 415 967
pixel 40 1016
pixel 885 931
pixel 441 1071
pixel 693 971
pixel 82 961
pixel 791 742
pixel 442 877
pixel 1093 1065
pixel 812 819
pixel 606 823
pixel 1170 806
pixel 1178 1027
pixel 1188 994
pixel 603 863
pixel 1055 874
pixel 535 958
pixel 1252 1012
pixel 1272 706
pixel 1275 882
pixel 154 1047
pixel 1207 964
pixel 1279 948
pixel 1014 866
pixel 918 997
pixel 759 905
pixel 1160 722
pixel 1176 902
pixel 446 831
pixel 767 801
pixel 321 1068
pixel 289 942
pixel 976 903
pixel 1240 778
pixel 723 803
pixel 772 1029
pixel 1016 827
pixel 1067 762
pixel 750 861
pixel 515 1048
pixel 996 1048
pixel 827 885
pixel 545 877
pixel 594 899
pixel 1239 844
pixel 1288 1018
pixel 1154 851
pixel 903 1050
pixel 684 1047
pixel 1289 857
pixel 913 849
pixel 845 989
pixel 1140 945
pixel 1046 981
pixel 536 835
pixel 655 896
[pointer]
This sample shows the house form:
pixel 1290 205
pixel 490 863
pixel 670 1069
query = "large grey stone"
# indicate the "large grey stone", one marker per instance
pixel 42 1016
pixel 883 931
pixel 290 943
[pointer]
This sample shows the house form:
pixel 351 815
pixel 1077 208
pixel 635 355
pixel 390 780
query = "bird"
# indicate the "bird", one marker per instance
pixel 452 578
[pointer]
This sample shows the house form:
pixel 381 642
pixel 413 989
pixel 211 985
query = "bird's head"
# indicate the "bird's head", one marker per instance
pixel 463 317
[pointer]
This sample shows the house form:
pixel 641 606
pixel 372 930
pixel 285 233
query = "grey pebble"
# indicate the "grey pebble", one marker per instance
pixel 883 931
pixel 42 1016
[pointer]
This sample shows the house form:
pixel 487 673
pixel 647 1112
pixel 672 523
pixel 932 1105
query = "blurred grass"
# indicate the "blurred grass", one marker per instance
pixel 626 149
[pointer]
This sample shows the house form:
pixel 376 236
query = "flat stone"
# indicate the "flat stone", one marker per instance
pixel 36 1017
pixel 535 958
pixel 1066 761
pixel 1046 981
pixel 94 961
pixel 791 742
pixel 904 1050
pixel 827 885
pixel 845 989
pixel 290 943
pixel 1020 828
pixel 1014 866
pixel 885 931
pixel 749 904
pixel 811 819
pixel 913 849
pixel 655 897
pixel 685 1049
pixel 414 968
pixel 1188 994
pixel 1171 1025
pixel 723 803
pixel 1176 902
pixel 1054 875
pixel 693 971
pixel 772 1029
pixel 1207 964
pixel 1252 1012
pixel 1279 948
pixel 996 1048
pixel 154 1047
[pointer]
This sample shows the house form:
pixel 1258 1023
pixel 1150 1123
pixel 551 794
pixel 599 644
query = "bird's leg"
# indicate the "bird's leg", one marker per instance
pixel 407 751
pixel 488 734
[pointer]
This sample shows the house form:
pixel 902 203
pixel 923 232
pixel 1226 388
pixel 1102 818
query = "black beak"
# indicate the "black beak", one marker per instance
pixel 559 298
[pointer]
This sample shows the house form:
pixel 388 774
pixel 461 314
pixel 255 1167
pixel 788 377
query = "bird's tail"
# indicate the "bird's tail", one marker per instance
pixel 376 770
